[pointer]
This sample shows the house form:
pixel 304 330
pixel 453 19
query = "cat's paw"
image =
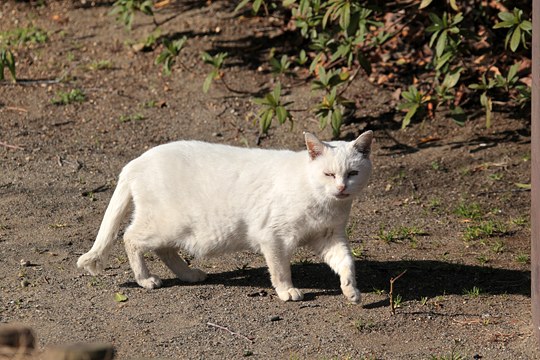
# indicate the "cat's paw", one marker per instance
pixel 152 282
pixel 193 276
pixel 352 294
pixel 291 294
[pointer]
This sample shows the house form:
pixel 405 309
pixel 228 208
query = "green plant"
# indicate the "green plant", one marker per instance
pixel 401 233
pixel 170 53
pixel 21 36
pixel 216 62
pixel 379 291
pixel 272 107
pixel 414 103
pixel 357 251
pixel 363 326
pixel 498 247
pixel 485 229
pixel 7 59
pixel 523 258
pixel 131 117
pixel 424 300
pixel 100 65
pixel 519 30
pixel 474 292
pixel 466 210
pixel 66 98
pixel 482 259
pixel 281 66
pixel 452 356
pixel 125 10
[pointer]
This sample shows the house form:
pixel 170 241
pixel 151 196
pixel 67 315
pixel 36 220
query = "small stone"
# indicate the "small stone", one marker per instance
pixel 25 262
pixel 25 283
pixel 275 318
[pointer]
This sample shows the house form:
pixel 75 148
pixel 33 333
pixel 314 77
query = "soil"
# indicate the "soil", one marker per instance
pixel 463 295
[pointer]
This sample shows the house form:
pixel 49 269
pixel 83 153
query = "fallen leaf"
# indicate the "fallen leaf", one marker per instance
pixel 119 297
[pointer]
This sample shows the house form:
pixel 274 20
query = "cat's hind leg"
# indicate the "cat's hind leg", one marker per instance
pixel 135 254
pixel 179 267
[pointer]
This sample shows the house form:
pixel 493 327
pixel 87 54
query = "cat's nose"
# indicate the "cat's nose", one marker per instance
pixel 341 188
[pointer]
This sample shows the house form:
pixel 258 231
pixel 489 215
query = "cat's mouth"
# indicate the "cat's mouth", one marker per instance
pixel 342 196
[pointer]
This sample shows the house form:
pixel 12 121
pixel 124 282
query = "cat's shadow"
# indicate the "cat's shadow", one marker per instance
pixel 423 279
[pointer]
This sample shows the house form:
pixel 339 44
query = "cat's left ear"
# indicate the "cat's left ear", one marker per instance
pixel 314 146
pixel 363 143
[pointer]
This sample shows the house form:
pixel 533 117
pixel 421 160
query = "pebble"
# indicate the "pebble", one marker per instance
pixel 24 262
pixel 275 318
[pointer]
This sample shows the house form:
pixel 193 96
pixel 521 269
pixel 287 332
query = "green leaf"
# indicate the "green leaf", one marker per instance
pixel 242 4
pixel 336 122
pixel 425 4
pixel 266 120
pixel 407 119
pixel 454 5
pixel 523 186
pixel 208 80
pixel 10 62
pixel 506 16
pixel 436 20
pixel 257 5
pixel 458 115
pixel 485 100
pixel 345 18
pixel 516 38
pixel 443 60
pixel 119 297
pixel 526 25
pixel 503 24
pixel 276 92
pixel 281 114
pixel 441 44
pixel 512 72
pixel 451 79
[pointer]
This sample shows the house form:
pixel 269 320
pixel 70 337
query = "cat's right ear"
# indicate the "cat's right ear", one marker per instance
pixel 314 146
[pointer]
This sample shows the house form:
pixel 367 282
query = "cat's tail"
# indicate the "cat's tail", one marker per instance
pixel 94 260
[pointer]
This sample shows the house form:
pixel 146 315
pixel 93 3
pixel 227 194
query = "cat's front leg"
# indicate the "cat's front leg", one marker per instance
pixel 337 254
pixel 279 266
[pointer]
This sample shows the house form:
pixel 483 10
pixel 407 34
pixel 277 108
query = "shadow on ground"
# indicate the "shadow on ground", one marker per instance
pixel 423 278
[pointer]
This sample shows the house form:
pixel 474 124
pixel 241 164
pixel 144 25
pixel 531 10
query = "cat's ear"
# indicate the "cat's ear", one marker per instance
pixel 363 143
pixel 314 146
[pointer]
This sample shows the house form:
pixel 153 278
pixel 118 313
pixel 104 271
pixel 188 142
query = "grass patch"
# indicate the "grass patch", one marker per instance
pixel 485 229
pixel 100 65
pixel 401 234
pixel 474 292
pixel 69 97
pixel 24 35
pixel 471 211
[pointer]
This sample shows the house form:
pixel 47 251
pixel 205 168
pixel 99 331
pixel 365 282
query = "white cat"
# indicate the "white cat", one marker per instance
pixel 208 199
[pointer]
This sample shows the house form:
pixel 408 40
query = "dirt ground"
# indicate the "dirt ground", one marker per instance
pixel 442 204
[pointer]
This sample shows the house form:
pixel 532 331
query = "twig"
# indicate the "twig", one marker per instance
pixel 14 108
pixel 391 293
pixel 16 147
pixel 230 331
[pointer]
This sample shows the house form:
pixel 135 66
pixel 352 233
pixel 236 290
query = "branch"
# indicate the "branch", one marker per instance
pixel 230 331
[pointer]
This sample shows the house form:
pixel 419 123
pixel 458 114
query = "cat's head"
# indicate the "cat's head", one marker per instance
pixel 339 170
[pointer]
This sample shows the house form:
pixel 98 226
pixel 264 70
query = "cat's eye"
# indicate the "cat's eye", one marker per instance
pixel 330 174
pixel 352 173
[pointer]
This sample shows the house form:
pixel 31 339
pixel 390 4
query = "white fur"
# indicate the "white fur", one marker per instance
pixel 208 199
